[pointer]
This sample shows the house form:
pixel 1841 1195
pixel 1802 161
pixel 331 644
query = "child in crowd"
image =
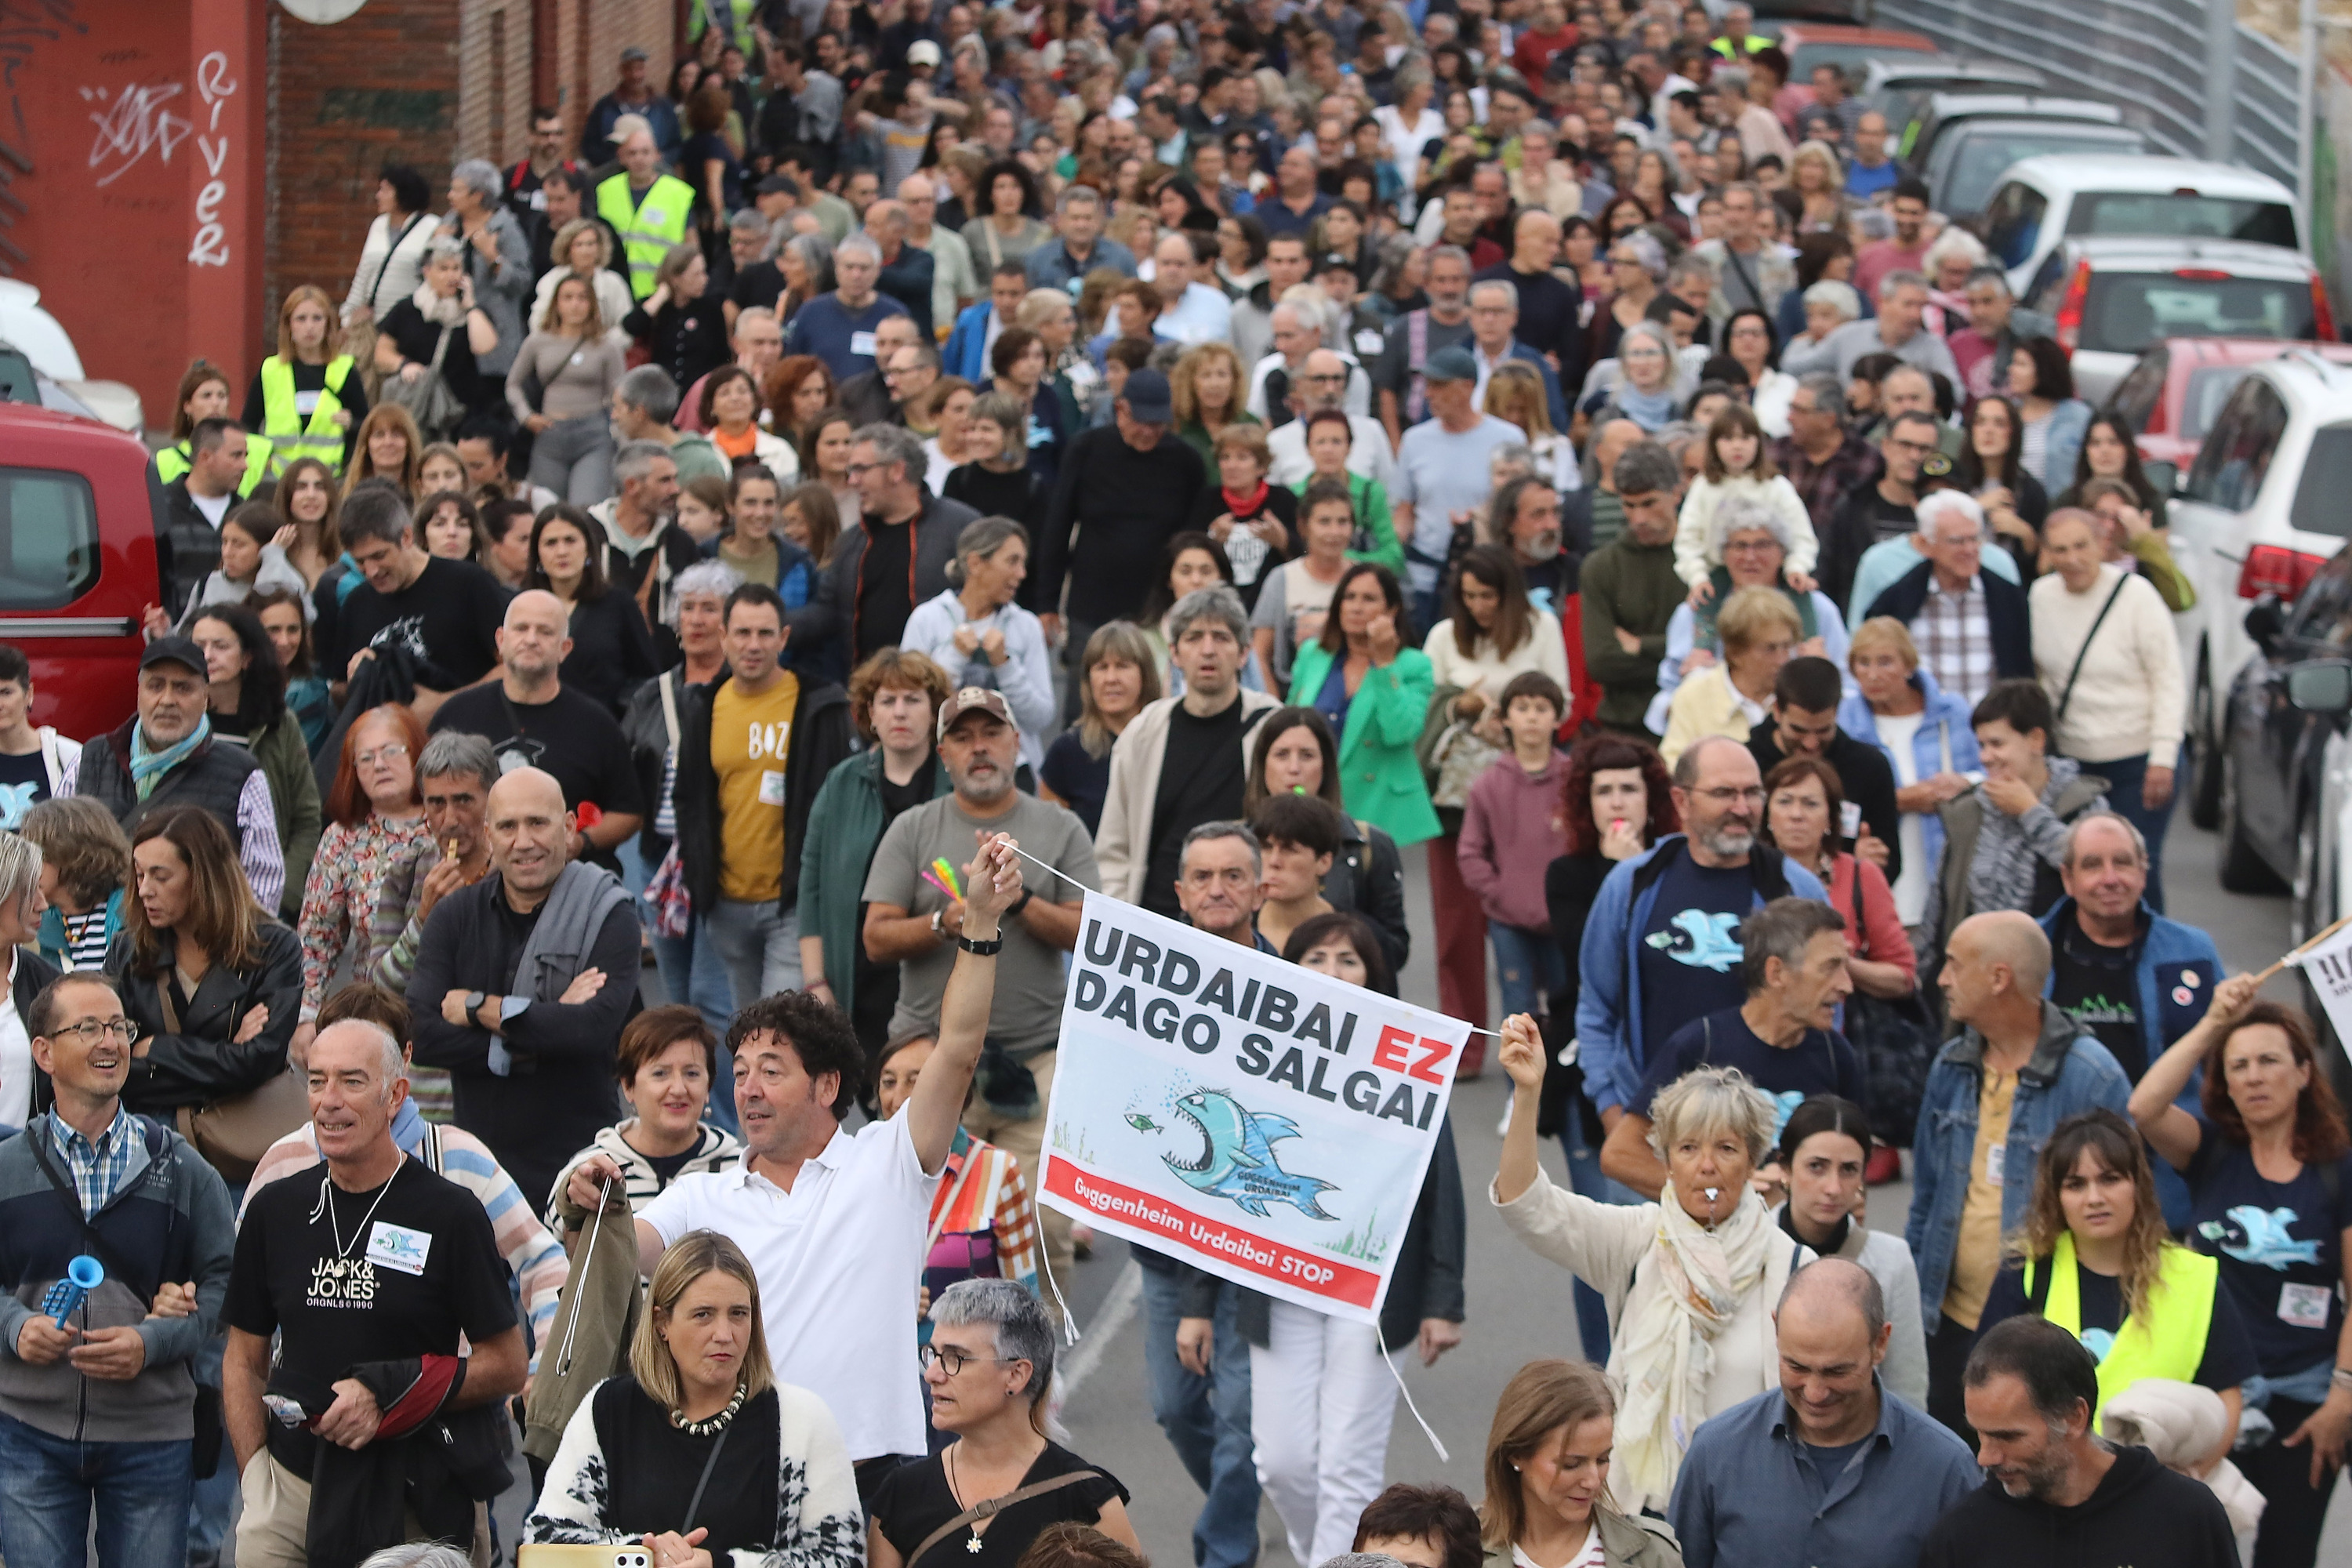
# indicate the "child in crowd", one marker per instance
pixel 1737 465
pixel 1512 829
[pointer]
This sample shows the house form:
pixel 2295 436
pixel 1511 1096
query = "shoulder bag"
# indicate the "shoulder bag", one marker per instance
pixel 996 1505
pixel 666 891
pixel 2084 652
pixel 233 1132
pixel 1896 1043
pixel 428 399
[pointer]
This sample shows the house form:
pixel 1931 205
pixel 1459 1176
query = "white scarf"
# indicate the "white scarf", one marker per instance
pixel 1664 1356
pixel 442 312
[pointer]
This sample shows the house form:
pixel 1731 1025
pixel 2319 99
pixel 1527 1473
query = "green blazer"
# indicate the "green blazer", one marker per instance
pixel 1380 778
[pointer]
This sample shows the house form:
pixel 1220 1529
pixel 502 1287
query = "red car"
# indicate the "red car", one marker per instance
pixel 2172 395
pixel 1850 49
pixel 79 520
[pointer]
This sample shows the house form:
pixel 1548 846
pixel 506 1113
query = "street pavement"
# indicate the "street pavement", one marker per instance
pixel 1519 1306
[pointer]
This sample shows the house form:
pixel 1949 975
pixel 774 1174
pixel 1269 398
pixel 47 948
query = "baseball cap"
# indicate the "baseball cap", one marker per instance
pixel 634 52
pixel 174 650
pixel 922 52
pixel 1333 261
pixel 1147 398
pixel 1450 364
pixel 971 699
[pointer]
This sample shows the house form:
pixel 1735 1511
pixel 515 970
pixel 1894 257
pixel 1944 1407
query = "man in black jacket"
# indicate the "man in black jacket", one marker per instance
pixel 1973 627
pixel 2055 1492
pixel 523 983
pixel 194 504
pixel 752 748
pixel 896 557
pixel 1804 724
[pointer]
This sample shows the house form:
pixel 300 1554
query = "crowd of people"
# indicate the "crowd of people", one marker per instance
pixel 1179 441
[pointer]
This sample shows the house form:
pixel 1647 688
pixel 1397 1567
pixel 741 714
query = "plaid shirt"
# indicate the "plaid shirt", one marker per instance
pixel 97 1167
pixel 1823 485
pixel 1955 639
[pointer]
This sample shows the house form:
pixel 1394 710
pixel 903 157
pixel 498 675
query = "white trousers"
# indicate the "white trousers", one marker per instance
pixel 1322 1403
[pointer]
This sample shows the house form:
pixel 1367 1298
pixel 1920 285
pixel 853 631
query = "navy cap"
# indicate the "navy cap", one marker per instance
pixel 176 651
pixel 1147 397
pixel 1450 364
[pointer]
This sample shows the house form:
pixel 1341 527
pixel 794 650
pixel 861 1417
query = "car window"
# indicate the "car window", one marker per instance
pixel 17 381
pixel 2232 464
pixel 2324 613
pixel 2320 488
pixel 2188 216
pixel 48 539
pixel 2202 400
pixel 2134 396
pixel 1981 158
pixel 2126 311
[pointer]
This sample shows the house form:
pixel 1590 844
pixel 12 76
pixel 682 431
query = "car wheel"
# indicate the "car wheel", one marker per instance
pixel 2205 744
pixel 2242 868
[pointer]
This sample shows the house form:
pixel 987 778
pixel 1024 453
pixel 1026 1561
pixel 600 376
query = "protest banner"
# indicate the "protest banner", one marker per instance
pixel 2327 962
pixel 1265 1122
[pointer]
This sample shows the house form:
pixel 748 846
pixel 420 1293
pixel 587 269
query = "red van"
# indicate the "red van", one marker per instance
pixel 78 519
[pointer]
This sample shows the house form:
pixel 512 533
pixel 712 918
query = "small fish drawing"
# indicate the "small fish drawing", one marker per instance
pixel 1142 1122
pixel 1237 1158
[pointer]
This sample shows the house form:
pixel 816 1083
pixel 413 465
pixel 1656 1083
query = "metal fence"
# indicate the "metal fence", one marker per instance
pixel 2159 62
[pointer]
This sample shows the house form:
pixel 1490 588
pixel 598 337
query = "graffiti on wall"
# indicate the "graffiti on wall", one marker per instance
pixel 214 87
pixel 132 123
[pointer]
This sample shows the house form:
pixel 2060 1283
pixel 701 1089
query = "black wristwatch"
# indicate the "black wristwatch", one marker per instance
pixel 981 949
pixel 1020 903
pixel 474 1000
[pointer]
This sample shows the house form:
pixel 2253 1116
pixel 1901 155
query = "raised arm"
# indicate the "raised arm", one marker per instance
pixel 2171 1131
pixel 1522 1054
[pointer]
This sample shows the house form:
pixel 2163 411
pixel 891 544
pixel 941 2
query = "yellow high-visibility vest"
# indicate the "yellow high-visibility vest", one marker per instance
pixel 2168 1341
pixel 290 436
pixel 176 459
pixel 648 225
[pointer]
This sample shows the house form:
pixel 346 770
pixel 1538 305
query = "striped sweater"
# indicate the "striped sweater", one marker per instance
pixel 539 1264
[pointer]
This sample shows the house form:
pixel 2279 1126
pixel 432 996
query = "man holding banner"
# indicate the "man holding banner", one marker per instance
pixel 1265 1125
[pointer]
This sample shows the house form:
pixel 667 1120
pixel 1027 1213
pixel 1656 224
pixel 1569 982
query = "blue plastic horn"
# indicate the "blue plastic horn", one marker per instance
pixel 65 1298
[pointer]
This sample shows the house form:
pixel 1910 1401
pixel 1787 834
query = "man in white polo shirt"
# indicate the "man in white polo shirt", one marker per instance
pixel 833 1224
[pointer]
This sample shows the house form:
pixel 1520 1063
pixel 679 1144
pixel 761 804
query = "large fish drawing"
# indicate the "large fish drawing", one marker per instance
pixel 1237 1158
pixel 1712 943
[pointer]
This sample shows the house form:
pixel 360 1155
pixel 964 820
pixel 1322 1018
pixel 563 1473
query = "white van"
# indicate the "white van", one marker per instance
pixel 2043 201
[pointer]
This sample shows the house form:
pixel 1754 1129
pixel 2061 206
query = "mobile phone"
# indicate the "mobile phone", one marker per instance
pixel 545 1555
pixel 1849 820
pixel 1974 775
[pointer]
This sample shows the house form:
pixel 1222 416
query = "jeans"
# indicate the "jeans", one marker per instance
pixel 574 457
pixel 2124 776
pixel 760 948
pixel 139 1491
pixel 691 972
pixel 1528 964
pixel 1207 1420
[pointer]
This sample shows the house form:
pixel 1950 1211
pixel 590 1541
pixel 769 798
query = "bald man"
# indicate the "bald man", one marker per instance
pixel 1190 311
pixel 2018 1066
pixel 533 720
pixel 522 982
pixel 1829 1466
pixel 1548 308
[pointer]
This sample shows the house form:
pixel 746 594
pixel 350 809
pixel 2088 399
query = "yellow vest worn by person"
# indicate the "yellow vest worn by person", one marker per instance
pixel 177 459
pixel 649 225
pixel 2166 1340
pixel 290 436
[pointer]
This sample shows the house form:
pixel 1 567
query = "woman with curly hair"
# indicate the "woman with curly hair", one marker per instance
pixel 2268 1138
pixel 1008 226
pixel 796 391
pixel 583 250
pixel 2093 1256
pixel 1206 387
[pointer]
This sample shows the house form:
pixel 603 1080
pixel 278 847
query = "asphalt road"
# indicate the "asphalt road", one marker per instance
pixel 1518 1304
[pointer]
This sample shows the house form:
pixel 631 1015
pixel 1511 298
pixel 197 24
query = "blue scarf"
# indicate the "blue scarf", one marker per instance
pixel 1650 410
pixel 147 766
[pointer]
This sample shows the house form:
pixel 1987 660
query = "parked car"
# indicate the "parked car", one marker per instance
pixel 1850 49
pixel 80 517
pixel 1900 88
pixel 2112 298
pixel 2260 511
pixel 1968 163
pixel 2176 388
pixel 1947 113
pixel 2043 201
pixel 31 340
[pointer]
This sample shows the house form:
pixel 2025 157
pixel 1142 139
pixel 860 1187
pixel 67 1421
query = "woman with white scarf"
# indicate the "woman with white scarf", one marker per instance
pixel 410 335
pixel 1689 1282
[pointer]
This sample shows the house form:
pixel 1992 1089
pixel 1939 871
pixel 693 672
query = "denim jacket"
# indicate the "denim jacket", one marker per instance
pixel 2069 1072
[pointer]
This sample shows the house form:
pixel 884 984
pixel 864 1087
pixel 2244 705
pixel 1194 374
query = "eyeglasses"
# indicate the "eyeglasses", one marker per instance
pixel 1747 793
pixel 121 1031
pixel 948 1357
pixel 388 754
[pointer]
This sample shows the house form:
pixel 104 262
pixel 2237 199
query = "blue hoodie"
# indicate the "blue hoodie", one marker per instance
pixel 964 354
pixel 1609 1005
pixel 1945 740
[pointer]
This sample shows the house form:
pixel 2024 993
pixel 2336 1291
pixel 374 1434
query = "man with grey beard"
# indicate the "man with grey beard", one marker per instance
pixel 911 921
pixel 1661 947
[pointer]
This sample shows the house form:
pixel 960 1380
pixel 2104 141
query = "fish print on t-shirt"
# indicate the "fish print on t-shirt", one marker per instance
pixel 16 800
pixel 2098 1342
pixel 2263 1237
pixel 1711 944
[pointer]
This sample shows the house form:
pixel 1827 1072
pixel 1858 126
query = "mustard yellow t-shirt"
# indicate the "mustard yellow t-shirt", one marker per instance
pixel 1977 1258
pixel 750 742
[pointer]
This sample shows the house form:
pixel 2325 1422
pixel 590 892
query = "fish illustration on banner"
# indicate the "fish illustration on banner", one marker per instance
pixel 1237 1158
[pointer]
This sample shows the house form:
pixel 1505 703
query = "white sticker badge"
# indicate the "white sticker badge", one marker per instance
pixel 1994 1160
pixel 771 786
pixel 2303 1306
pixel 862 343
pixel 397 1247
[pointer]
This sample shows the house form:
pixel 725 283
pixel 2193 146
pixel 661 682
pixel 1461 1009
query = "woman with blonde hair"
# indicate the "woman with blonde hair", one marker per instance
pixel 1817 176
pixel 1119 676
pixel 387 446
pixel 561 389
pixel 2093 1256
pixel 1758 627
pixel 658 1436
pixel 1514 395
pixel 1548 1456
pixel 1206 389
pixel 1926 735
pixel 583 250
pixel 85 877
pixel 306 399
pixel 1689 1281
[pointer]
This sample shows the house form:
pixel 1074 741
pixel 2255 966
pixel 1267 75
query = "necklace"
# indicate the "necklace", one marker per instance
pixel 326 1202
pixel 708 1424
pixel 972 1542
